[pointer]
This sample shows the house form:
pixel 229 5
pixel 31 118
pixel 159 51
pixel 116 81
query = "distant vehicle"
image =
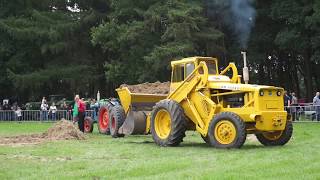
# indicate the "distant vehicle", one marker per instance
pixel 33 105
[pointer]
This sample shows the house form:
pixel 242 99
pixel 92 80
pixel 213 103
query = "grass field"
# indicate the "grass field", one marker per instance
pixel 137 157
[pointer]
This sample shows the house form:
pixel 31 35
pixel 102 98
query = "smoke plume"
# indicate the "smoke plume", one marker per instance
pixel 243 16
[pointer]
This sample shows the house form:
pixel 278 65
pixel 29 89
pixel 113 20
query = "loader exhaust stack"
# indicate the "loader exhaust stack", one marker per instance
pixel 245 69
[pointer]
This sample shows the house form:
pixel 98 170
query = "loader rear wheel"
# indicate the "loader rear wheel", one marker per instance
pixel 117 117
pixel 227 130
pixel 88 124
pixel 103 121
pixel 277 138
pixel 168 123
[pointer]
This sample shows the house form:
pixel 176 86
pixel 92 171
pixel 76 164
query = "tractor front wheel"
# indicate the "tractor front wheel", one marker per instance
pixel 226 130
pixel 168 123
pixel 277 138
pixel 88 124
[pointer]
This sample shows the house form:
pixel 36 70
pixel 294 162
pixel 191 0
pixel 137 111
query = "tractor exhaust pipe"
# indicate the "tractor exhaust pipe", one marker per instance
pixel 245 69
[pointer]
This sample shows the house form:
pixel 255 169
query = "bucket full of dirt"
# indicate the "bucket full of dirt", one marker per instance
pixel 149 88
pixel 62 130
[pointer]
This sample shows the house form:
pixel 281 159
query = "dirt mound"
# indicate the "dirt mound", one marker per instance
pixel 149 88
pixel 62 130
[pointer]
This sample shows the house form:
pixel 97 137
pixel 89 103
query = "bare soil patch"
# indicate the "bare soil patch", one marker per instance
pixel 149 88
pixel 62 130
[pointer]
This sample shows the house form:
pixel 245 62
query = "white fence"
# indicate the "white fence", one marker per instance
pixel 37 115
pixel 304 112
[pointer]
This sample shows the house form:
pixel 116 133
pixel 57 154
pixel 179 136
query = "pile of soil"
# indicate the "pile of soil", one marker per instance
pixel 62 130
pixel 149 88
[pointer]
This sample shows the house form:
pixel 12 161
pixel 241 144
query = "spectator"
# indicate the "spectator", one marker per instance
pixel 13 109
pixel 43 100
pixel 286 101
pixel 18 113
pixel 44 110
pixel 7 113
pixel 74 112
pixel 316 103
pixel 53 110
pixel 294 104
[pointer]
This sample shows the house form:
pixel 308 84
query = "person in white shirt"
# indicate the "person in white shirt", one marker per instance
pixel 18 113
pixel 53 110
pixel 44 110
pixel 316 103
pixel 293 105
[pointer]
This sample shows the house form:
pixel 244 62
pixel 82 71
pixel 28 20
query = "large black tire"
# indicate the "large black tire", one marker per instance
pixel 226 130
pixel 178 123
pixel 117 117
pixel 205 139
pixel 88 124
pixel 103 118
pixel 279 138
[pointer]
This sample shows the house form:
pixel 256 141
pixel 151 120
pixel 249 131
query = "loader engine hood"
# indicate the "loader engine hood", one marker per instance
pixel 218 78
pixel 241 87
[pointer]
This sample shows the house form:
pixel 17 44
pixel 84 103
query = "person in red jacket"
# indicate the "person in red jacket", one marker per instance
pixel 81 112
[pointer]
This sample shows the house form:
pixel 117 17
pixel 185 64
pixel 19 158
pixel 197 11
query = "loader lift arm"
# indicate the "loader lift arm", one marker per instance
pixel 191 86
pixel 182 91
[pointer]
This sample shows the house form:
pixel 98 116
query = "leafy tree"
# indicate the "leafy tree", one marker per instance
pixel 140 38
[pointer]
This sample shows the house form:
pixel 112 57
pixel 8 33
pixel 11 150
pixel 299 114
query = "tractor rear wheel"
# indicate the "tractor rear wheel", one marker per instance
pixel 88 124
pixel 117 117
pixel 227 130
pixel 168 123
pixel 103 118
pixel 277 138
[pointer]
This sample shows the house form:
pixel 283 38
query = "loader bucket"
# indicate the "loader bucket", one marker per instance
pixel 135 123
pixel 135 106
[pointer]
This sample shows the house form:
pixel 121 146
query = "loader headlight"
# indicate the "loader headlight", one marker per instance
pixel 278 93
pixel 261 93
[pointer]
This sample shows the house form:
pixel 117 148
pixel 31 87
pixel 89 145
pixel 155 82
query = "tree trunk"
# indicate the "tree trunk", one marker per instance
pixel 308 74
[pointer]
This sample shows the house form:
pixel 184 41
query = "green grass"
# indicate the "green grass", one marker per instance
pixel 137 157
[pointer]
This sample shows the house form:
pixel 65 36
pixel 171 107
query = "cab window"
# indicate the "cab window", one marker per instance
pixel 178 73
pixel 189 68
pixel 211 67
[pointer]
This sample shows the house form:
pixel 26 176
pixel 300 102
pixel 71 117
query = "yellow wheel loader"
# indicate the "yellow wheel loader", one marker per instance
pixel 202 98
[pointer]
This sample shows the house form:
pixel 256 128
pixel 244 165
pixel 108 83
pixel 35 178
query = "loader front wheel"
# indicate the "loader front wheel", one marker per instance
pixel 117 117
pixel 168 123
pixel 206 139
pixel 277 138
pixel 226 130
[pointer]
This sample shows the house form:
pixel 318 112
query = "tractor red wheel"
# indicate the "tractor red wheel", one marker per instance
pixel 88 124
pixel 103 121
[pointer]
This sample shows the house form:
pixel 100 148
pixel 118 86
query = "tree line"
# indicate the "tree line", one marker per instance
pixel 82 46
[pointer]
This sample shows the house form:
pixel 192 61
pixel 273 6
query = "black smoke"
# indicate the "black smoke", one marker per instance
pixel 243 18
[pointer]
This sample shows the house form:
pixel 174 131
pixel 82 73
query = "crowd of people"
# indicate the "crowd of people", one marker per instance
pixel 50 112
pixel 12 112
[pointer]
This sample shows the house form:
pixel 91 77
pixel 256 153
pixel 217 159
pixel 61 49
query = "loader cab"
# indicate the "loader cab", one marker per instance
pixel 181 69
